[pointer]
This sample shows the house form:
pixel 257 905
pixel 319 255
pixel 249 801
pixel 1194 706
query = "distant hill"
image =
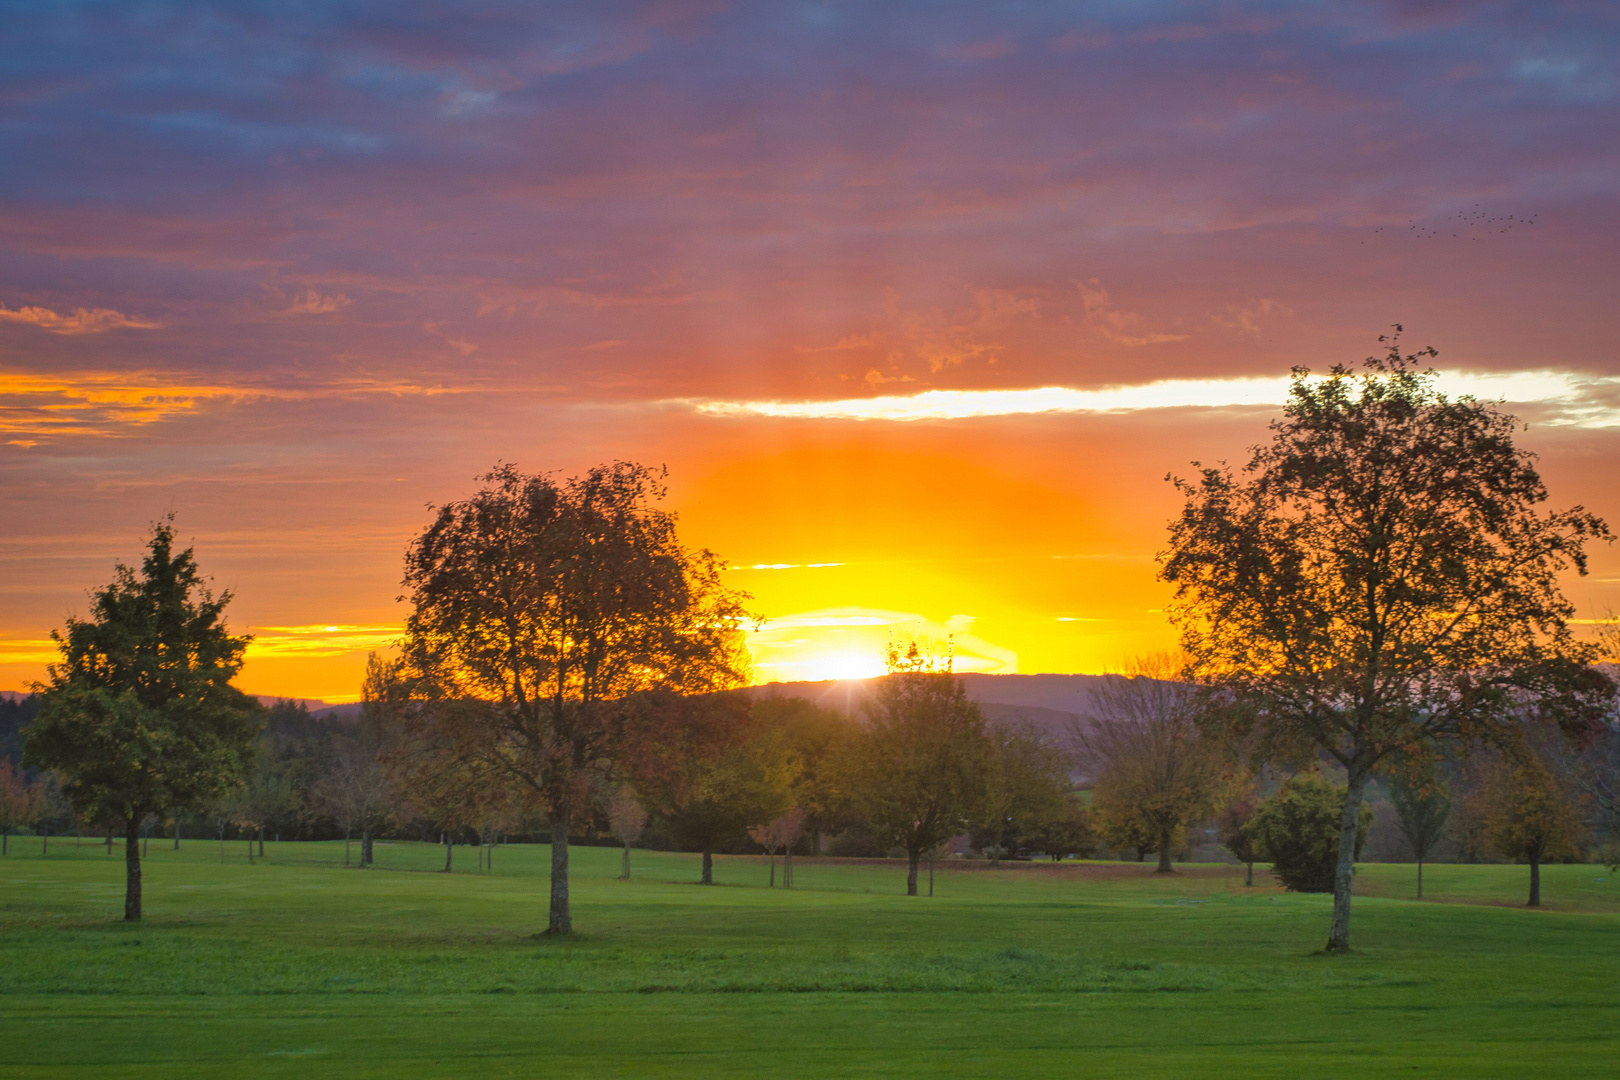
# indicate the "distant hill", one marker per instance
pixel 1049 702
pixel 316 706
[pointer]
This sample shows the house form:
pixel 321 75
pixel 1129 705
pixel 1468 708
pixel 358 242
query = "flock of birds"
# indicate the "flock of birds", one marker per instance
pixel 1471 224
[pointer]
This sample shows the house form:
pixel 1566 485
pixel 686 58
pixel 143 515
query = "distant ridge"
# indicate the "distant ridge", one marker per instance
pixel 316 706
pixel 1051 703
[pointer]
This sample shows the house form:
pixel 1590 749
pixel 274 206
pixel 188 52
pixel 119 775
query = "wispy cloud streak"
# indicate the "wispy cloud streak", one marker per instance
pixel 1575 399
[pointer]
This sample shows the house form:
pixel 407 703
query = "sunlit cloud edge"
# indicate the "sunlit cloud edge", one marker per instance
pixel 1576 400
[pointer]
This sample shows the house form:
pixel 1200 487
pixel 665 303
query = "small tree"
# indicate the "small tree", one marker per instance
pixel 1298 830
pixel 356 791
pixel 1068 833
pixel 139 714
pixel 266 792
pixel 1233 826
pixel 1529 812
pixel 780 834
pixel 810 743
pixel 1422 808
pixel 22 801
pixel 706 767
pixel 922 765
pixel 1149 760
pixel 627 818
pixel 1028 786
pixel 1382 580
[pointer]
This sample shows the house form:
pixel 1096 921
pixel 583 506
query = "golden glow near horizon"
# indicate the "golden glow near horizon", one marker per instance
pixel 1580 401
pixel 849 643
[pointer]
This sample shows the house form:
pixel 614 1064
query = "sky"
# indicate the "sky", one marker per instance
pixel 919 303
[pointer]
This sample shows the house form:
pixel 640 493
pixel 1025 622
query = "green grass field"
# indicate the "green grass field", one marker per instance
pixel 296 967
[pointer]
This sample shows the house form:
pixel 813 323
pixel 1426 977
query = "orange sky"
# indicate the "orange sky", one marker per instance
pixel 330 266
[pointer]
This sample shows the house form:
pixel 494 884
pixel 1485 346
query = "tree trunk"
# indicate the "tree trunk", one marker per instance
pixel 1248 881
pixel 132 871
pixel 1349 824
pixel 787 868
pixel 625 874
pixel 1164 853
pixel 561 922
pixel 930 876
pixel 449 847
pixel 177 830
pixel 773 869
pixel 1420 879
pixel 109 837
pixel 911 873
pixel 491 855
pixel 708 866
pixel 261 841
pixel 1535 880
pixel 365 846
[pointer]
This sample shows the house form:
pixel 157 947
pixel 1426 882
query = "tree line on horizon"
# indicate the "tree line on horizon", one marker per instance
pixel 1374 595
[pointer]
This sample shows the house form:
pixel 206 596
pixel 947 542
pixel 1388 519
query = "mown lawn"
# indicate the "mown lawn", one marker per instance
pixel 294 966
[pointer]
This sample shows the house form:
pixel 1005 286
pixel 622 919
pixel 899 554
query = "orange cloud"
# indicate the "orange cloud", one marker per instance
pixel 82 321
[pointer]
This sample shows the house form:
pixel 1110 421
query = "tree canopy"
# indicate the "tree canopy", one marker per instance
pixel 537 605
pixel 924 762
pixel 139 716
pixel 1381 577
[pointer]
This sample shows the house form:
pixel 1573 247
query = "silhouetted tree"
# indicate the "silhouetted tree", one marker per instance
pixel 921 767
pixel 548 603
pixel 1382 580
pixel 139 714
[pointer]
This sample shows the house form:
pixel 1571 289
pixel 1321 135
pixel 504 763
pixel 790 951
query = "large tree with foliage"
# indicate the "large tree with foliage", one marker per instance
pixel 922 766
pixel 139 716
pixel 538 606
pixel 1381 578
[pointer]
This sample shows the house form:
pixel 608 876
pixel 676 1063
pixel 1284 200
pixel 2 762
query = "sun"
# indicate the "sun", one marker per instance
pixel 849 643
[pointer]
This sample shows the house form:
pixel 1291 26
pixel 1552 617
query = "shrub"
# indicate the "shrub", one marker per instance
pixel 1298 830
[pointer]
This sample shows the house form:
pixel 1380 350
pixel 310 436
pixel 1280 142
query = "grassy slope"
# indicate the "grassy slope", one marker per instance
pixel 296 967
